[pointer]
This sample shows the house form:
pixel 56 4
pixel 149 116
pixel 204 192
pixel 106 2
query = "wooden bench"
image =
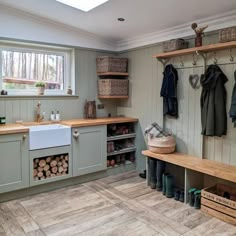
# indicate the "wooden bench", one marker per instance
pixel 194 170
pixel 213 168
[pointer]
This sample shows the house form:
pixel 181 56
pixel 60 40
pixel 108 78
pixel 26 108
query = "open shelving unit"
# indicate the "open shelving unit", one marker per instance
pixel 121 147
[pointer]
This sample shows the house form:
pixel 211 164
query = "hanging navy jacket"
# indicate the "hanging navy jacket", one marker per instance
pixel 169 91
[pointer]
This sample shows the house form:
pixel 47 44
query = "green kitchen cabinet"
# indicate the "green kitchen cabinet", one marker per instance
pixel 89 149
pixel 14 159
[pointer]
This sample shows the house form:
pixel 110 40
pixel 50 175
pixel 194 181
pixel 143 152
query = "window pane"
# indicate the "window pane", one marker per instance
pixel 21 70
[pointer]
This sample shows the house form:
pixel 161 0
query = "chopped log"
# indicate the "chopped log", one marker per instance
pixel 35 172
pixel 63 161
pixel 64 173
pixel 57 159
pixel 58 174
pixel 53 163
pixel 36 178
pixel 54 170
pixel 48 159
pixel 65 170
pixel 46 167
pixel 36 160
pixel 60 169
pixel 53 175
pixel 62 157
pixel 65 165
pixel 59 163
pixel 40 169
pixel 43 177
pixel 40 174
pixel 48 173
pixel 35 165
pixel 42 163
pixel 67 158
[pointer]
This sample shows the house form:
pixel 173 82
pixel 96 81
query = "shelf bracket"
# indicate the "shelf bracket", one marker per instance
pixel 163 61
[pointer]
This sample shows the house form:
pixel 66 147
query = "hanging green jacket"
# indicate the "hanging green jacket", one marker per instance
pixel 213 102
pixel 232 112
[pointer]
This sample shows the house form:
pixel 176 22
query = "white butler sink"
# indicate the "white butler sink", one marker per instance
pixel 46 136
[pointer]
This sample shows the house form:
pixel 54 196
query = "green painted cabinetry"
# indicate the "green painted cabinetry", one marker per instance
pixel 14 159
pixel 89 149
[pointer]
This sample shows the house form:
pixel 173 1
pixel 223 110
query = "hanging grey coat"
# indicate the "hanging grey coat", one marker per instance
pixel 232 112
pixel 213 102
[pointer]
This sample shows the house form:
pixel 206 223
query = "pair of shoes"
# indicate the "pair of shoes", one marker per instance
pixel 143 175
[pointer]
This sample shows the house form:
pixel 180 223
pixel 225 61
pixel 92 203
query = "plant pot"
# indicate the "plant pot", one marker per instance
pixel 40 90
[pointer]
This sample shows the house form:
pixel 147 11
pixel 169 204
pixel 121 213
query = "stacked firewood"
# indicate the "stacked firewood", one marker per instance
pixel 51 166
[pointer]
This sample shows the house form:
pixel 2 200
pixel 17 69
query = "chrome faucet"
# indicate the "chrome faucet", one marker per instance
pixel 39 118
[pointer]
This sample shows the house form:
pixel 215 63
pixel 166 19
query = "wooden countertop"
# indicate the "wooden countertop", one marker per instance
pixel 209 167
pixel 13 129
pixel 98 121
pixel 21 128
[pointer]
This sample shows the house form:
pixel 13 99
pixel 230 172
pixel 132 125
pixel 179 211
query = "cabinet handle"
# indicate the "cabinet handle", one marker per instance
pixel 24 136
pixel 76 134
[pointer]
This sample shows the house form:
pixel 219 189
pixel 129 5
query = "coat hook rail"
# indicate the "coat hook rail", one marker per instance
pixel 215 59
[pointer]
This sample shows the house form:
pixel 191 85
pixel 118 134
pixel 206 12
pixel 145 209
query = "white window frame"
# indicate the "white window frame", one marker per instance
pixel 69 66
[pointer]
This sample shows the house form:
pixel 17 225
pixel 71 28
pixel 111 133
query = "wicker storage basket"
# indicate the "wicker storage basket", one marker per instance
pixel 113 87
pixel 227 34
pixel 161 144
pixel 112 64
pixel 174 44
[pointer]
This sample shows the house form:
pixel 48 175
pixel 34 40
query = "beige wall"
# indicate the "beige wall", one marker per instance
pixel 86 88
pixel 146 104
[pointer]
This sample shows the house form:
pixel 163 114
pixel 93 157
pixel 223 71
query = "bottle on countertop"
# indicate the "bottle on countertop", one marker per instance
pixel 53 116
pixel 58 116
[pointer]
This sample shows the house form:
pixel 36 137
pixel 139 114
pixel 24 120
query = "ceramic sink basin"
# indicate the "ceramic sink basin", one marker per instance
pixel 46 136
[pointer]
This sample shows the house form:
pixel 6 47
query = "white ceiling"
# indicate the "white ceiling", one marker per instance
pixel 143 17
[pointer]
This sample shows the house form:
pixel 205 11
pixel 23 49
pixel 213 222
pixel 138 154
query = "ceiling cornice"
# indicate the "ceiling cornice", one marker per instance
pixel 217 22
pixel 94 41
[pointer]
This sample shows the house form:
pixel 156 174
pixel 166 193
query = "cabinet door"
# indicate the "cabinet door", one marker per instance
pixel 89 149
pixel 14 159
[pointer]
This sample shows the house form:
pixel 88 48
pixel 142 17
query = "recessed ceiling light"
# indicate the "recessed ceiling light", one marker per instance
pixel 84 5
pixel 121 19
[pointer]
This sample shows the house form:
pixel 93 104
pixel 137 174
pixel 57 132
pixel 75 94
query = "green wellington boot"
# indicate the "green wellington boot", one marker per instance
pixel 191 196
pixel 197 199
pixel 169 186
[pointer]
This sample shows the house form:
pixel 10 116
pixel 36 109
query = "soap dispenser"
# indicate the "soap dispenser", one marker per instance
pixel 52 116
pixel 58 118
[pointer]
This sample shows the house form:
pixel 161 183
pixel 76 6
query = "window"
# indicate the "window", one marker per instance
pixel 22 66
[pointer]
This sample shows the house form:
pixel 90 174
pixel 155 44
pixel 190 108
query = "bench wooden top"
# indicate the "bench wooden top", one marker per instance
pixel 209 167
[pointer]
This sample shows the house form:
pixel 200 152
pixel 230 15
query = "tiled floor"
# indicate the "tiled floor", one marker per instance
pixel 116 205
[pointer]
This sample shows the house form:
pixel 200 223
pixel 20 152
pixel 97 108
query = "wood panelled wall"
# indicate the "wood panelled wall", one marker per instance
pixel 86 88
pixel 146 104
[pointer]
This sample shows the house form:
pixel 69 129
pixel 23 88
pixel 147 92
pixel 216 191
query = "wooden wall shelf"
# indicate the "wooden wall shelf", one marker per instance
pixel 202 49
pixel 107 97
pixel 113 73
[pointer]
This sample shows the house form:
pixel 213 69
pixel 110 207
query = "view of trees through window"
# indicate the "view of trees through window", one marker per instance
pixel 21 70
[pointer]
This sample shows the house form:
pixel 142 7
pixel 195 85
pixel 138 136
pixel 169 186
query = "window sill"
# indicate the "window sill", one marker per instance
pixel 23 97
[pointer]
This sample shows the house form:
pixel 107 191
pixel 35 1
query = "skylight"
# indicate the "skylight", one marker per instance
pixel 84 5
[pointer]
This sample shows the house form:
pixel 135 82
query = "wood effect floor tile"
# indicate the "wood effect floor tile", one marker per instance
pixel 9 223
pixel 80 223
pixel 116 205
pixel 22 216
